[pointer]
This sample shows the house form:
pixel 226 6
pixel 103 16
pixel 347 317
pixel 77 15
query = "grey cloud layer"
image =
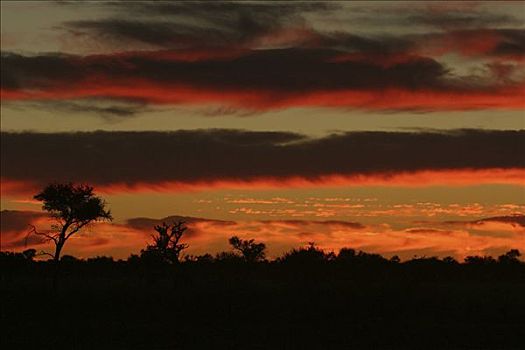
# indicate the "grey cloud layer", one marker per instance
pixel 194 24
pixel 259 56
pixel 186 24
pixel 213 155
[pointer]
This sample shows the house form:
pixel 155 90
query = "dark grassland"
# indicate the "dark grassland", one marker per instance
pixel 306 300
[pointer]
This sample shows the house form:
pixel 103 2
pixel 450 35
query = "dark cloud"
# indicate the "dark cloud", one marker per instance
pixel 105 158
pixel 492 43
pixel 261 55
pixel 20 72
pixel 148 224
pixel 110 110
pixel 347 224
pixel 14 229
pixel 230 24
pixel 181 36
pixel 511 43
pixel 17 220
pixel 458 19
pixel 161 34
pixel 332 223
pixel 279 70
pixel 193 229
pixel 196 24
pixel 370 73
pixel 428 231
pixel 348 42
pixel 516 220
pixel 224 10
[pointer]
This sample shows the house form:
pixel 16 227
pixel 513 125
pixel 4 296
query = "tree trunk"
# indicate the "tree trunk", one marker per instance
pixel 58 249
pixel 56 262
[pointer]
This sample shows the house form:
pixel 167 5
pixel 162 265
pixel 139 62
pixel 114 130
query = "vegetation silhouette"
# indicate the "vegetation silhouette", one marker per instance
pixel 305 299
pixel 306 256
pixel 510 257
pixel 250 251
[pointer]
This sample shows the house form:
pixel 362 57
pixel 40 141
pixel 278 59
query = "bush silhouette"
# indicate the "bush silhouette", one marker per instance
pixel 479 260
pixel 310 255
pixel 250 251
pixel 29 254
pixel 511 256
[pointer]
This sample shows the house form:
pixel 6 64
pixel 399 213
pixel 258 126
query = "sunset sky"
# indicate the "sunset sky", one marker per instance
pixel 392 127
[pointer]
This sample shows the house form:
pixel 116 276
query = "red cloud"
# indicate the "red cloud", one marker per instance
pixel 489 43
pixel 509 98
pixel 461 177
pixel 297 77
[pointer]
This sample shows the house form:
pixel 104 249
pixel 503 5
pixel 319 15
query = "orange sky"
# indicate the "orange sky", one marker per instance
pixel 396 128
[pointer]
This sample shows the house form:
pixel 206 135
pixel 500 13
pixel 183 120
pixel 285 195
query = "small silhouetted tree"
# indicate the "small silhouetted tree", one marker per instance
pixel 29 254
pixel 250 251
pixel 395 259
pixel 511 256
pixel 73 207
pixel 346 255
pixel 166 245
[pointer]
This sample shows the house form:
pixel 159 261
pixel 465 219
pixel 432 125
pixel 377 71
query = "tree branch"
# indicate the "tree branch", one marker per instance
pixel 46 253
pixel 46 235
pixel 75 230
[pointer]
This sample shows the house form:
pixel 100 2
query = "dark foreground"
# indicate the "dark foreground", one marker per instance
pixel 229 304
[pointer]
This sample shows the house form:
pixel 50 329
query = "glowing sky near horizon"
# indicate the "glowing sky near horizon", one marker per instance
pixel 392 127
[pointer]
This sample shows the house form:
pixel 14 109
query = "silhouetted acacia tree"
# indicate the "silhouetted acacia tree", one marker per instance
pixel 166 245
pixel 73 207
pixel 251 251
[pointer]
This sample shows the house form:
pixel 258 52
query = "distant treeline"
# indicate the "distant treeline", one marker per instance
pixel 304 261
pixel 305 299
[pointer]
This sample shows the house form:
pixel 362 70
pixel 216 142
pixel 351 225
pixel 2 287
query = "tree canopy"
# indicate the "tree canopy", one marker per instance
pixel 166 245
pixel 251 251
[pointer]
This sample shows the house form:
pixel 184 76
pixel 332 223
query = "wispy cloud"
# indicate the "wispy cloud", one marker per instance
pixel 209 235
